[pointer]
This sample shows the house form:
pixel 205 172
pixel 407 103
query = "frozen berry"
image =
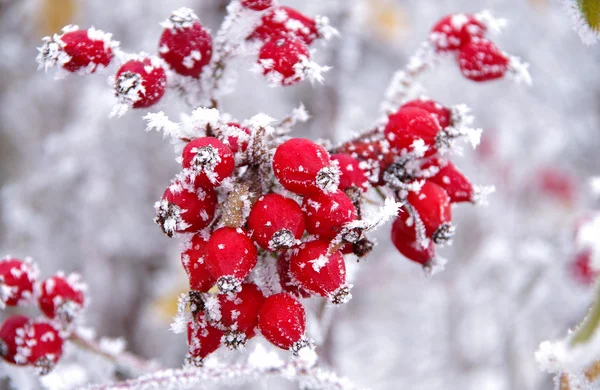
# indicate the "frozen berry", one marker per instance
pixel 453 181
pixel 281 59
pixel 352 175
pixel 77 50
pixel 288 284
pixel 441 113
pixel 285 21
pixel 432 206
pixel 13 328
pixel 184 44
pixel 303 167
pixel 276 222
pixel 62 297
pixel 16 281
pixel 230 256
pixel 203 339
pixel 406 240
pixel 320 272
pixel 182 210
pixel 210 159
pixel 44 346
pixel 374 156
pixel 481 60
pixel 410 125
pixel 140 83
pixel 327 213
pixel 193 260
pixel 257 5
pixel 282 321
pixel 454 31
pixel 239 141
pixel 581 268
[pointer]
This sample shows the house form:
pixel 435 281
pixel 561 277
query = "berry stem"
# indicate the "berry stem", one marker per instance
pixel 590 324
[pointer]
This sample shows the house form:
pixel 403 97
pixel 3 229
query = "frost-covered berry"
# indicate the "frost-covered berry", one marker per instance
pixel 454 31
pixel 410 126
pixel 13 328
pixel 257 5
pixel 238 314
pixel 285 21
pixel 352 175
pixel 238 142
pixel 327 213
pixel 374 156
pixel 458 187
pixel 184 44
pixel 320 272
pixel 42 345
pixel 230 256
pixel 581 269
pixel 203 339
pixel 288 284
pixel 140 83
pixel 481 60
pixel 441 113
pixel 282 321
pixel 193 261
pixel 406 240
pixel 432 205
pixel 303 167
pixel 76 50
pixel 62 297
pixel 182 210
pixel 276 222
pixel 16 281
pixel 281 59
pixel 210 160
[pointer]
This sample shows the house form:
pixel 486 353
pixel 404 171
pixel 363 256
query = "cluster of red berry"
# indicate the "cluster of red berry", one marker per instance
pixel 37 342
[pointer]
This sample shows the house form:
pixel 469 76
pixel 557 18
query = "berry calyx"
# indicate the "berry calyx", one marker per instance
pixel 203 339
pixel 327 213
pixel 230 256
pixel 411 125
pixel 454 31
pixel 44 345
pixel 184 44
pixel 16 281
pixel 62 297
pixel 12 328
pixel 288 284
pixel 352 175
pixel 282 320
pixel 210 160
pixel 182 210
pixel 276 222
pixel 140 83
pixel 257 5
pixel 281 59
pixel 321 272
pixel 285 21
pixel 193 260
pixel 432 206
pixel 407 242
pixel 481 60
pixel 441 113
pixel 303 167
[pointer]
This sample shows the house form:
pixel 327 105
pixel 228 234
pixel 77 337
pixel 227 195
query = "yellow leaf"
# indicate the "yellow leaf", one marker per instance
pixel 591 12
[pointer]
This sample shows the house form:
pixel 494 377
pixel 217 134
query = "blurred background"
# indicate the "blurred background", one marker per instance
pixel 77 188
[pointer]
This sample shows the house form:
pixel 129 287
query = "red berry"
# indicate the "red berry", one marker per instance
pixel 481 60
pixel 411 124
pixel 203 339
pixel 238 142
pixel 239 314
pixel 375 156
pixel 327 213
pixel 276 222
pixel 184 44
pixel 77 50
pixel 140 83
pixel 319 272
pixel 183 211
pixel 282 321
pixel 581 269
pixel 257 5
pixel 288 284
pixel 556 184
pixel 404 238
pixel 285 21
pixel 441 113
pixel 13 328
pixel 230 256
pixel 281 59
pixel 16 281
pixel 44 345
pixel 352 175
pixel 62 296
pixel 454 31
pixel 432 205
pixel 210 159
pixel 453 181
pixel 193 260
pixel 303 167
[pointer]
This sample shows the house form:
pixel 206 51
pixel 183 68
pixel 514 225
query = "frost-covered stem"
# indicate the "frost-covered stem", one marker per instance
pixel 127 364
pixel 198 378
